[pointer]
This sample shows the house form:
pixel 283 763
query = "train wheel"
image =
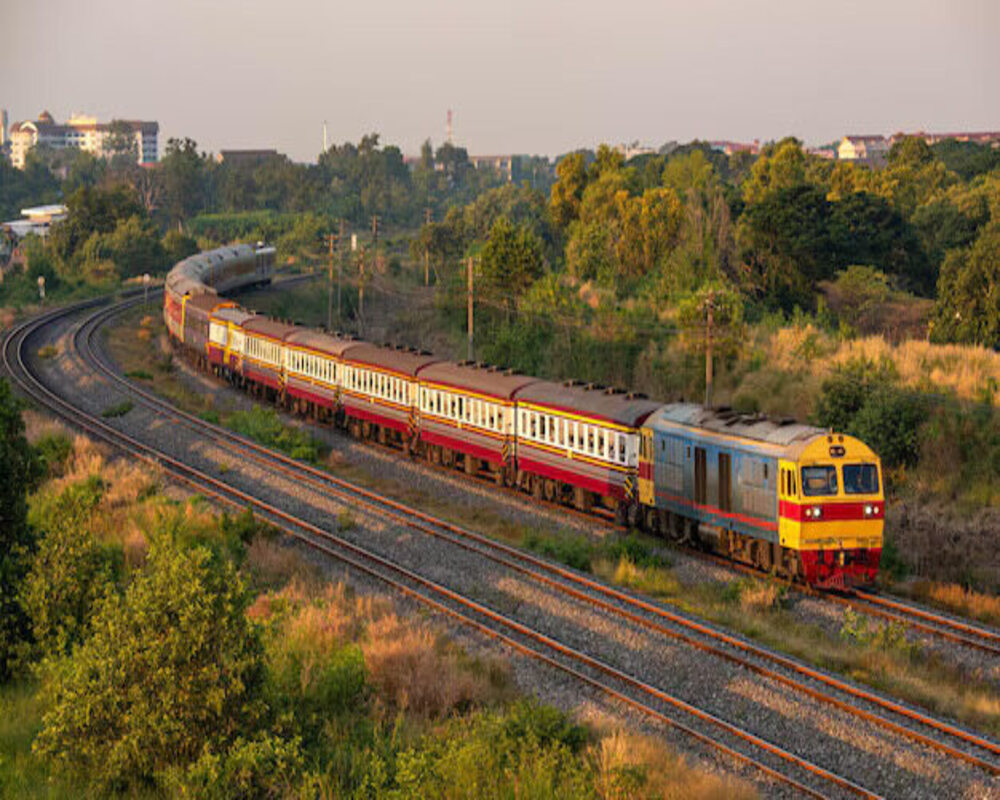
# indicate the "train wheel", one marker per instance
pixel 551 490
pixel 651 520
pixel 633 515
pixel 764 559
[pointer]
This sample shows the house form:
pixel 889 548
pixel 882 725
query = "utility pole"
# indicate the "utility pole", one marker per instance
pixel 710 319
pixel 427 252
pixel 468 274
pixel 329 288
pixel 361 294
pixel 375 222
pixel 340 268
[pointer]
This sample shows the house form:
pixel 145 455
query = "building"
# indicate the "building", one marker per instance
pixel 4 126
pixel 986 138
pixel 501 165
pixel 37 220
pixel 83 133
pixel 869 149
pixel 731 148
pixel 633 150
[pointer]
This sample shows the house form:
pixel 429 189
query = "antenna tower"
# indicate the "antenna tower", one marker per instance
pixel 448 128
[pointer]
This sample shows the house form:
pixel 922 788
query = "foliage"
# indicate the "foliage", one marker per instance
pixel 263 425
pixel 118 409
pixel 18 470
pixel 573 551
pixel 181 626
pixel 862 398
pixel 177 247
pixel 71 571
pixel 52 451
pixel 510 262
pixel 968 305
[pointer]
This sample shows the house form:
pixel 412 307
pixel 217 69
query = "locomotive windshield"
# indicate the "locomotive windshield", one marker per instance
pixel 818 481
pixel 860 478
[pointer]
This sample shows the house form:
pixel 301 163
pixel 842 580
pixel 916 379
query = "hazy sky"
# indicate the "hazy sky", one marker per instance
pixel 534 76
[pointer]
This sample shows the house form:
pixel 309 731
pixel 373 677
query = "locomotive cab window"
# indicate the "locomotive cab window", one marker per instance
pixel 819 481
pixel 860 479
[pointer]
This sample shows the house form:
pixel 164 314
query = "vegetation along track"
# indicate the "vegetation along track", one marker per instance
pixel 785 767
pixel 829 689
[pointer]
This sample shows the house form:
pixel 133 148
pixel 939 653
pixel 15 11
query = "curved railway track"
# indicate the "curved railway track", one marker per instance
pixel 891 715
pixel 727 738
pixel 895 717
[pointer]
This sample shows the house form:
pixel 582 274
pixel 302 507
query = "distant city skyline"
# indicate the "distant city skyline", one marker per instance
pixel 522 77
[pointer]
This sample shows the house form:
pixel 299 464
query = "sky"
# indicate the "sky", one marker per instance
pixel 522 76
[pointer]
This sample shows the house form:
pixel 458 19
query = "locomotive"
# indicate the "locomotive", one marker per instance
pixel 789 498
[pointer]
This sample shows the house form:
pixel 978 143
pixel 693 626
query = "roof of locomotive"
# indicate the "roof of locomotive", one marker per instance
pixel 206 301
pixel 320 341
pixel 406 362
pixel 613 405
pixel 271 328
pixel 233 314
pixel 478 378
pixel 757 427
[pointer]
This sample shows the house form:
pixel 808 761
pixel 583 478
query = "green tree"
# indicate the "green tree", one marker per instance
pixel 968 303
pixel 780 166
pixel 966 159
pixel 172 667
pixel 511 260
pixel 71 570
pixel 18 469
pixel 177 246
pixel 184 186
pixel 567 191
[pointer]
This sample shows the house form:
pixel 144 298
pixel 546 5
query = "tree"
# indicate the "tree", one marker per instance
pixel 780 166
pixel 183 170
pixel 510 262
pixel 172 668
pixel 120 143
pixel 71 571
pixel 18 469
pixel 567 191
pixel 968 304
pixel 967 159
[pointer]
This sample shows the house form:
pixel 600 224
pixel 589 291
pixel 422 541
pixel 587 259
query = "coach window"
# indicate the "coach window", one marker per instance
pixel 622 454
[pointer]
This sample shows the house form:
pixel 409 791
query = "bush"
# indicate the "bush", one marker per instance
pixel 573 551
pixel 863 399
pixel 52 451
pixel 263 425
pixel 257 769
pixel 71 571
pixel 172 667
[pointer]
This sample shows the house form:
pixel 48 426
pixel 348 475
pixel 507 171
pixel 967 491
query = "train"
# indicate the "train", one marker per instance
pixel 791 499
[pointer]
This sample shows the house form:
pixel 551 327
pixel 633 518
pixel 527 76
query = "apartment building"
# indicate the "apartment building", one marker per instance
pixel 82 132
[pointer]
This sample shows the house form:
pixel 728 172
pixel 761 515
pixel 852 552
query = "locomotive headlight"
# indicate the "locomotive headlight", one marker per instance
pixel 871 511
pixel 815 512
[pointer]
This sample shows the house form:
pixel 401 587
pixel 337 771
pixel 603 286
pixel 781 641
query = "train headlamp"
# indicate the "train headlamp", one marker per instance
pixel 815 512
pixel 870 510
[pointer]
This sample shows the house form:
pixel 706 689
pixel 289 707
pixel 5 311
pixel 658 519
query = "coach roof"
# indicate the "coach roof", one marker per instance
pixel 319 341
pixel 476 378
pixel 406 362
pixel 590 401
pixel 265 326
pixel 235 314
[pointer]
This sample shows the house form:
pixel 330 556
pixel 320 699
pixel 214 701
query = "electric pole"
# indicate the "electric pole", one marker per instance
pixel 468 273
pixel 329 288
pixel 361 294
pixel 340 268
pixel 710 319
pixel 375 222
pixel 427 252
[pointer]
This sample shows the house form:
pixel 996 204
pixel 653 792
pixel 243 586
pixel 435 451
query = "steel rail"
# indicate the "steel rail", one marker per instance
pixel 433 526
pixel 42 394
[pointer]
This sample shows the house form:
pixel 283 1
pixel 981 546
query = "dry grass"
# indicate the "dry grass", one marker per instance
pixel 38 426
pixel 955 598
pixel 965 370
pixel 410 667
pixel 274 564
pixel 413 674
pixel 632 766
pixel 760 596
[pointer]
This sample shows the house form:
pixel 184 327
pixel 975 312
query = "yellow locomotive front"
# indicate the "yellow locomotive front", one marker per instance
pixel 831 510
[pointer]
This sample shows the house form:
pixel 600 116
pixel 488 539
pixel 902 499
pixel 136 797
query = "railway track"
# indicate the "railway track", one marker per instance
pixel 888 714
pixel 729 739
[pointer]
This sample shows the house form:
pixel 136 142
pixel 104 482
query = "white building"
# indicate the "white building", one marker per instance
pixel 37 220
pixel 84 133
pixel 870 149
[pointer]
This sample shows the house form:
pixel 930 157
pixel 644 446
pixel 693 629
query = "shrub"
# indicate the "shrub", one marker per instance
pixel 118 410
pixel 256 769
pixel 71 571
pixel 573 551
pixel 265 426
pixel 863 399
pixel 172 666
pixel 53 451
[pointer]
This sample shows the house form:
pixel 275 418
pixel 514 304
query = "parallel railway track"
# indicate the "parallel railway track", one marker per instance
pixel 785 767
